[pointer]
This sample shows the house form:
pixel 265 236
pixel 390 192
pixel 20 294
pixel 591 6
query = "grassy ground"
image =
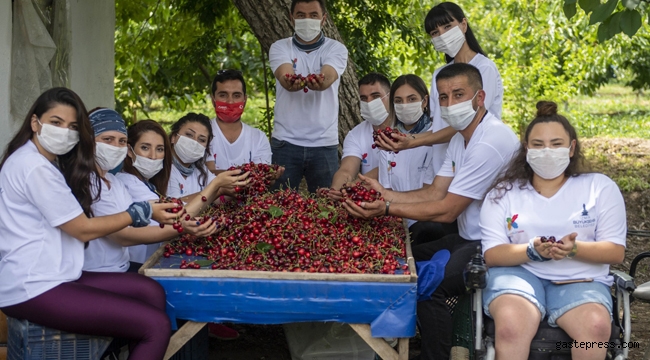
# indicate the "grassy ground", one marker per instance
pixel 614 111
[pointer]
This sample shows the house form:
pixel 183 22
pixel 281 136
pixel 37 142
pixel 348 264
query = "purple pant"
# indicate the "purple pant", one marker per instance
pixel 122 305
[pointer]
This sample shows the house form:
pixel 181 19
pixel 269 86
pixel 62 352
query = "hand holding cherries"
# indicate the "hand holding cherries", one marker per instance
pixel 297 80
pixel 177 210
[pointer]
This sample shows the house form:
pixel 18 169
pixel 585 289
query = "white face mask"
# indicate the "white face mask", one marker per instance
pixel 148 168
pixel 374 111
pixel 188 150
pixel 108 157
pixel 548 163
pixel 449 42
pixel 409 113
pixel 307 29
pixel 460 115
pixel 57 140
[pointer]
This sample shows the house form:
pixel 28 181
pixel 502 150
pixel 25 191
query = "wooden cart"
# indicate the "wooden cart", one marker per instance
pixel 375 306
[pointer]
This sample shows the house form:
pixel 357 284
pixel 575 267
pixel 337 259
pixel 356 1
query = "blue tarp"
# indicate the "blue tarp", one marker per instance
pixel 389 308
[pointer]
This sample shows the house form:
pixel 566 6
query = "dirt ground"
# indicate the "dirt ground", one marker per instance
pixel 618 158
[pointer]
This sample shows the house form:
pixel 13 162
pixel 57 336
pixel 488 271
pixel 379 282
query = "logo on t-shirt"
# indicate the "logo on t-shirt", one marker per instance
pixel 511 222
pixel 363 158
pixel 585 221
pixel 453 167
pixel 180 186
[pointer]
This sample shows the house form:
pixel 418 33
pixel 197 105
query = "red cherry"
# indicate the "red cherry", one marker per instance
pixel 393 164
pixel 204 199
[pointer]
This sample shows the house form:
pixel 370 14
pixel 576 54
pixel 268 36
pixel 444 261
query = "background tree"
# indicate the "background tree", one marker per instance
pixel 170 49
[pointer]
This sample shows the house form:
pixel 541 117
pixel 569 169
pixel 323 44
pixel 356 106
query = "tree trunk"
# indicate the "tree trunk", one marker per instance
pixel 269 20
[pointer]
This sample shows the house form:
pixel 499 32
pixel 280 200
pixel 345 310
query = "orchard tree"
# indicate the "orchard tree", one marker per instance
pixel 613 16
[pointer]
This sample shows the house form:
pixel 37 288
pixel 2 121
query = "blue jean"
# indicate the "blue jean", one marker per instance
pixel 316 164
pixel 554 300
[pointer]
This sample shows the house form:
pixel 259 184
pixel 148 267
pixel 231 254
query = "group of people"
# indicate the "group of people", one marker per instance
pixel 454 170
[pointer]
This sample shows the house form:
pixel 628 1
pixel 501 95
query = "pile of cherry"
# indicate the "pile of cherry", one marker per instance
pixel 285 231
pixel 387 131
pixel 260 178
pixel 550 239
pixel 302 80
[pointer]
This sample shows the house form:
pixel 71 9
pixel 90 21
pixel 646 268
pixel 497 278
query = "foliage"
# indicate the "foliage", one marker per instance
pixel 613 16
pixel 171 49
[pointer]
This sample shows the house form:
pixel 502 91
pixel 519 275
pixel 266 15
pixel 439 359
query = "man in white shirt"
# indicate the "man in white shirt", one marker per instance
pixel 234 143
pixel 305 134
pixel 477 154
pixel 359 154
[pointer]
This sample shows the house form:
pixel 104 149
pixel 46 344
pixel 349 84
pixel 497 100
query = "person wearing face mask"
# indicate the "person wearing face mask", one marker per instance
pixel 409 110
pixel 451 34
pixel 47 174
pixel 545 192
pixel 111 253
pixel 234 142
pixel 145 173
pixel 483 146
pixel 305 134
pixel 359 154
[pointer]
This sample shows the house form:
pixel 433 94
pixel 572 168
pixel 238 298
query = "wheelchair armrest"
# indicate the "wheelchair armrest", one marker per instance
pixel 636 260
pixel 623 281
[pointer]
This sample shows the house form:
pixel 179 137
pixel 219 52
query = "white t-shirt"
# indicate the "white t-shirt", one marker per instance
pixel 412 170
pixel 139 192
pixel 251 145
pixel 358 143
pixel 35 255
pixel 590 205
pixel 179 186
pixel 104 254
pixel 493 87
pixel 475 167
pixel 308 119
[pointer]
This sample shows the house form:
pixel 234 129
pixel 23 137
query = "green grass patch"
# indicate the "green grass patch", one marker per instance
pixel 615 111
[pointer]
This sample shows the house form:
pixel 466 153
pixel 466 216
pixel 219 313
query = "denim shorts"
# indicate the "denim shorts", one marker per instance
pixel 551 299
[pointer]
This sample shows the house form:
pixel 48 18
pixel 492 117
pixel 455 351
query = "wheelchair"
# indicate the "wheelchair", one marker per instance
pixel 642 292
pixel 544 343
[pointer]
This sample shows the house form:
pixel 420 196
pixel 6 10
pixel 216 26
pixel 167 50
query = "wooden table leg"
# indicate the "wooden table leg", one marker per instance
pixel 380 346
pixel 182 336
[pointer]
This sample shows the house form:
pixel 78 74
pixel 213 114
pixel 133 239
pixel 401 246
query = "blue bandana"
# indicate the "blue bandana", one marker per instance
pixel 103 120
pixel 421 126
pixel 309 47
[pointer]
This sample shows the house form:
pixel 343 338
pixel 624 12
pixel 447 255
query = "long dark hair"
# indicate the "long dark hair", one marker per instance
pixel 443 14
pixel 161 179
pixel 205 121
pixel 519 171
pixel 78 164
pixel 416 83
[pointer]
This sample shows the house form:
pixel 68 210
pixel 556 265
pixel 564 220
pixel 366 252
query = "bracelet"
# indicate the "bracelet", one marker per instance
pixel 387 208
pixel 573 252
pixel 533 254
pixel 140 213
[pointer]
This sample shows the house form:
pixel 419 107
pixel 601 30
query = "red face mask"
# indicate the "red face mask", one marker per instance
pixel 229 112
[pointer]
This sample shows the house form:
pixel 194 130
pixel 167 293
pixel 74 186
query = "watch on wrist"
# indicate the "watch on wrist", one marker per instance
pixel 387 207
pixel 573 251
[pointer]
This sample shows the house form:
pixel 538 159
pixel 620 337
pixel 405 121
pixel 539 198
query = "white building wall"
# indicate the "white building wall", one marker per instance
pixel 7 127
pixel 92 57
pixel 92 51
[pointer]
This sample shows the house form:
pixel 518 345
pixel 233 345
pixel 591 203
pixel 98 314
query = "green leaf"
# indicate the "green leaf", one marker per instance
pixel 630 22
pixel 275 211
pixel 323 214
pixel 263 247
pixel 588 5
pixel 333 219
pixel 204 262
pixel 631 4
pixel 569 10
pixel 604 32
pixel 602 12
